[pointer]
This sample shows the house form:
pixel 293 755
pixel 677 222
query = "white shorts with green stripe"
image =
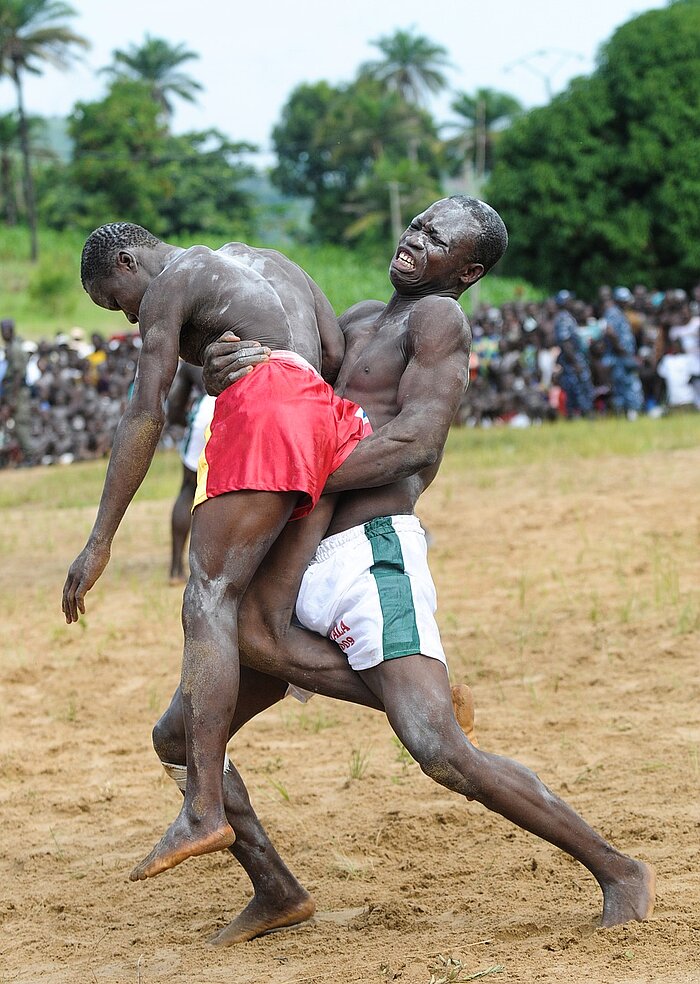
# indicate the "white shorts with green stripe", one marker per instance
pixel 369 589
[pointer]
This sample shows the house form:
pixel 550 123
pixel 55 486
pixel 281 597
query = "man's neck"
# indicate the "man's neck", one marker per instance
pixel 399 302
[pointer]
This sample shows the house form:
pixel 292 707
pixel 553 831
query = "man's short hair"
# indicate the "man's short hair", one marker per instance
pixel 101 248
pixel 491 238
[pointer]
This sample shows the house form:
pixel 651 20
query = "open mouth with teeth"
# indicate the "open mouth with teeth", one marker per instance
pixel 404 261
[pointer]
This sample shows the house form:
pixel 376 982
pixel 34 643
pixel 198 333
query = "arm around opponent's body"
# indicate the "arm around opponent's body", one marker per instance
pixel 429 394
pixel 135 442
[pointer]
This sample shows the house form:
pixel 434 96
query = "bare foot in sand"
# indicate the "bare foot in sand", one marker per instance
pixel 463 705
pixel 631 897
pixel 183 839
pixel 262 916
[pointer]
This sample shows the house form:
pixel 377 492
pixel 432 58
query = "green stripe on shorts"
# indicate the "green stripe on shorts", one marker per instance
pixel 400 632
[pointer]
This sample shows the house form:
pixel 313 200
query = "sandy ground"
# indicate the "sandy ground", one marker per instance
pixel 569 600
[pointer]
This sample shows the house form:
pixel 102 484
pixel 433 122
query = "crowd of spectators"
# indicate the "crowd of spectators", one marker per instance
pixel 631 352
pixel 61 401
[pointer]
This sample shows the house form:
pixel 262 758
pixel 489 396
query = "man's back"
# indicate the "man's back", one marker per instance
pixel 255 293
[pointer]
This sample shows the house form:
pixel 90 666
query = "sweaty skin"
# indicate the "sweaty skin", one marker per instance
pixel 182 299
pixel 406 363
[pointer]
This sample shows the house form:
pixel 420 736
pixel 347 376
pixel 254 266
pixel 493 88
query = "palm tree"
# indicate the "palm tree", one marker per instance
pixel 412 65
pixel 482 115
pixel 33 32
pixel 156 62
pixel 9 141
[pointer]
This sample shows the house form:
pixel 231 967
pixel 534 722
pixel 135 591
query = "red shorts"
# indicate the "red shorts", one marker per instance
pixel 279 429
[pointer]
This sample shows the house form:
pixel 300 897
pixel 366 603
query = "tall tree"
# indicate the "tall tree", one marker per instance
pixel 9 142
pixel 481 117
pixel 157 63
pixel 120 143
pixel 412 65
pixel 603 185
pixel 126 165
pixel 34 32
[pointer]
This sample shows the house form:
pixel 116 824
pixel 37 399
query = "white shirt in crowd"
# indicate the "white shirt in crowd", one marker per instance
pixel 676 371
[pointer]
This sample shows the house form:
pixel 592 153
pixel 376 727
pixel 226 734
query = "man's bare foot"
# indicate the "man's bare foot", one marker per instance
pixel 183 839
pixel 463 704
pixel 262 916
pixel 631 897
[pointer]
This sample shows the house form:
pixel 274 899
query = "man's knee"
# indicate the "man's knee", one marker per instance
pixel 168 737
pixel 446 757
pixel 206 593
pixel 261 627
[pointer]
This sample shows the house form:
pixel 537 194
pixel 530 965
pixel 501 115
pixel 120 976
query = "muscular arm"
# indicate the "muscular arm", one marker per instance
pixel 430 392
pixel 134 445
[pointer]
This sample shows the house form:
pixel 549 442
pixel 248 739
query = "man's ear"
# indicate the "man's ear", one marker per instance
pixel 471 273
pixel 127 260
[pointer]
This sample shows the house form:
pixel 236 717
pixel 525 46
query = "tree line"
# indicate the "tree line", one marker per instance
pixel 598 185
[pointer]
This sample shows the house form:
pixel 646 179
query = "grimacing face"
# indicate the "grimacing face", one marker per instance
pixel 434 249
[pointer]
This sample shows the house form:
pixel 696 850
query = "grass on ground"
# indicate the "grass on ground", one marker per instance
pixel 468 450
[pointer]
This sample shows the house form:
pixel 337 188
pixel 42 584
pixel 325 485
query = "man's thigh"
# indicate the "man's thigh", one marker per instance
pixel 231 535
pixel 272 593
pixel 415 691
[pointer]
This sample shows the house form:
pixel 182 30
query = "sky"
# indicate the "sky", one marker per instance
pixel 252 54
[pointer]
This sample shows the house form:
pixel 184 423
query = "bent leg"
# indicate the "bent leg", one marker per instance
pixel 268 640
pixel 416 695
pixel 230 536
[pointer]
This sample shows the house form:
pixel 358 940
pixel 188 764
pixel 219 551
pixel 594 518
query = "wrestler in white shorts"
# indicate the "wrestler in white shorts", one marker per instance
pixel 198 419
pixel 369 589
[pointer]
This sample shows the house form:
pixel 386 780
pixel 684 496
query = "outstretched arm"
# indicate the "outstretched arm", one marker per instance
pixel 134 445
pixel 430 392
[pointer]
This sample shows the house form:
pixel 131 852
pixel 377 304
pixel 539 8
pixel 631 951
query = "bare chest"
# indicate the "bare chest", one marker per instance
pixel 374 362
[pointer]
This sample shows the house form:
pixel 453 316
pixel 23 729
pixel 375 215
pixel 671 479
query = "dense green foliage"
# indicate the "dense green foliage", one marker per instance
pixel 127 165
pixel 33 32
pixel 603 185
pixel 341 145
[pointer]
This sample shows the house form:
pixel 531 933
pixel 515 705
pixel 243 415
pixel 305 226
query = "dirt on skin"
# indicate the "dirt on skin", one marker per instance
pixel 570 601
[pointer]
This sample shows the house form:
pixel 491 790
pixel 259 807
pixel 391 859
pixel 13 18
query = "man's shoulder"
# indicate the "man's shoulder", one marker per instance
pixel 182 274
pixel 364 308
pixel 360 313
pixel 187 263
pixel 438 328
pixel 438 313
